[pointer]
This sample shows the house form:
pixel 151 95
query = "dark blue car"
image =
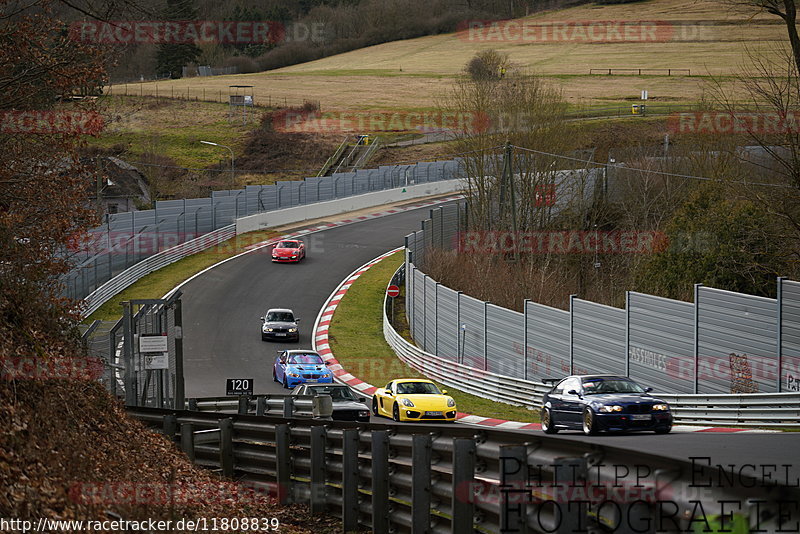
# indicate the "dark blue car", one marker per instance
pixel 603 402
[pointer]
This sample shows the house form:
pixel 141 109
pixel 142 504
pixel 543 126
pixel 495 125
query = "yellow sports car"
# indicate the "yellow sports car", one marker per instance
pixel 413 399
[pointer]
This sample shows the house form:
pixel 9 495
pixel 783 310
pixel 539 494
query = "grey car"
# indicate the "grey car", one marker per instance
pixel 280 324
pixel 346 406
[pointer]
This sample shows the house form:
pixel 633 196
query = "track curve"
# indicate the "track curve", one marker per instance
pixel 222 340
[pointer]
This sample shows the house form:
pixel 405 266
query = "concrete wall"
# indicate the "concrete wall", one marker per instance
pixel 270 219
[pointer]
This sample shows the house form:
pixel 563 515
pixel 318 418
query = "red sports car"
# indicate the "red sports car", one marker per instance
pixel 289 250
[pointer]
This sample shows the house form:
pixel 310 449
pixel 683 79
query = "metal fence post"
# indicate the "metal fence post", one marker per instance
pixel 380 482
pixel 283 464
pixel 436 314
pixel 170 425
pixel 180 391
pixel 696 337
pixel 350 479
pixel 628 333
pixel 318 497
pixel 424 308
pixel 261 404
pixel 525 337
pixel 513 495
pixel 421 483
pixel 288 406
pixel 571 316
pixel 187 440
pixel 459 334
pixel 127 349
pixel 780 332
pixel 485 337
pixel 464 450
pixel 226 446
pixel 244 405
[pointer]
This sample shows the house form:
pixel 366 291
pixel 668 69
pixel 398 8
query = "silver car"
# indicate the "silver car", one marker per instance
pixel 346 406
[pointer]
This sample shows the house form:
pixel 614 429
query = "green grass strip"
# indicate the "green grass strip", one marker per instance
pixel 156 284
pixel 357 342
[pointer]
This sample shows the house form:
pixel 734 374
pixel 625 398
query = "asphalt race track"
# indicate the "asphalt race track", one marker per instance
pixel 222 334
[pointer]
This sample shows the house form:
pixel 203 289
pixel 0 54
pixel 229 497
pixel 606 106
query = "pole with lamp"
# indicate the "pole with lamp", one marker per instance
pixel 233 171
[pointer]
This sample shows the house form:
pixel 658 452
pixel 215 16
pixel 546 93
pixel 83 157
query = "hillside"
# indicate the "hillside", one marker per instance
pixel 706 36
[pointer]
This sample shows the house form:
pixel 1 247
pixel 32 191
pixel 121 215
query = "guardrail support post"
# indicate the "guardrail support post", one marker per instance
pixel 261 403
pixel 463 478
pixel 288 406
pixel 170 425
pixel 525 338
pixel 283 463
pixel 318 496
pixel 244 405
pixel 226 446
pixel 380 482
pixel 421 483
pixel 513 477
pixel 192 405
pixel 350 480
pixel 187 440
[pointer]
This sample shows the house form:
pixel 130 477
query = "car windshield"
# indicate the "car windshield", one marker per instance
pixel 614 385
pixel 280 317
pixel 417 388
pixel 288 244
pixel 336 392
pixel 306 358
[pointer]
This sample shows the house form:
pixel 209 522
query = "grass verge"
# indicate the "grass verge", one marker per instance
pixel 155 285
pixel 356 338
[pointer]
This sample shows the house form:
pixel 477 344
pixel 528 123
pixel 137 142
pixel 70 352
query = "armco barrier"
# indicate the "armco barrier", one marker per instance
pixel 157 261
pixel 335 207
pixel 412 478
pixel 745 410
pixel 258 222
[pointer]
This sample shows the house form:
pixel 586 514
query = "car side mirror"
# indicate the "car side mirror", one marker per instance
pixel 327 362
pixel 362 399
pixel 648 390
pixel 262 318
pixel 573 392
pixel 297 319
pixel 444 392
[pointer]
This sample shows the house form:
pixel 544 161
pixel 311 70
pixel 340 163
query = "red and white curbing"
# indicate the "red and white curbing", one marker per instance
pixel 321 345
pixel 344 222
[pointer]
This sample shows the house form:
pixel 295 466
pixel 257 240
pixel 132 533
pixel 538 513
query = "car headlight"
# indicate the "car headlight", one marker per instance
pixel 609 409
pixel 407 402
pixel 660 407
pixel 294 255
pixel 363 413
pixel 293 330
pixel 293 375
pixel 451 403
pixel 268 330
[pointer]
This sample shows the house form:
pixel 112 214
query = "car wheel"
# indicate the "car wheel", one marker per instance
pixel 263 337
pixel 396 413
pixel 548 426
pixel 274 375
pixel 589 424
pixel 663 429
pixel 286 382
pixel 375 406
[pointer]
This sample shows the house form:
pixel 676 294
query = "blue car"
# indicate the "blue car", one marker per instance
pixel 593 403
pixel 293 367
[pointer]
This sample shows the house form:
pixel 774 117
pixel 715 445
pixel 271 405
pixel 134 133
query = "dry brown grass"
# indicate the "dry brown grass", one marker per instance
pixel 413 73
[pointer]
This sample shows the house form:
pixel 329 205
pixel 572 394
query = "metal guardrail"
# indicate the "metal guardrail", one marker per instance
pixel 455 478
pixel 152 263
pixel 740 410
pixel 316 406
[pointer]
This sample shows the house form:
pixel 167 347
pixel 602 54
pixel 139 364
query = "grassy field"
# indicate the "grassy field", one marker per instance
pixel 171 128
pixel 705 36
pixel 356 339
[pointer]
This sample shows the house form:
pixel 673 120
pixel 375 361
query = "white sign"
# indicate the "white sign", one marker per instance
pixel 156 361
pixel 157 343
